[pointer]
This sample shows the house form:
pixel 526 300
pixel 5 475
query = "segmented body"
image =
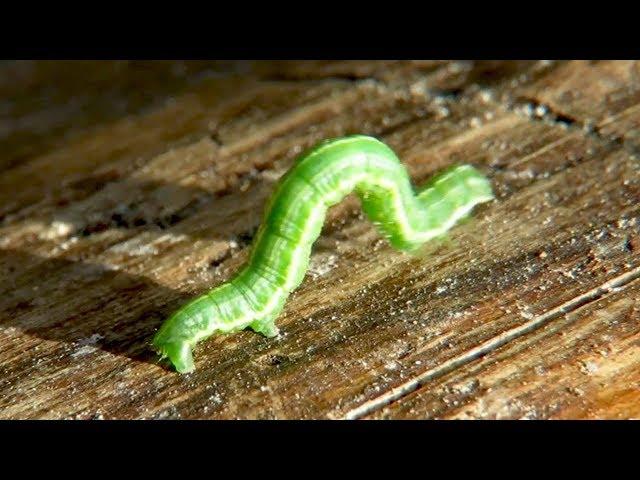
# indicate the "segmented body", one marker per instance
pixel 294 217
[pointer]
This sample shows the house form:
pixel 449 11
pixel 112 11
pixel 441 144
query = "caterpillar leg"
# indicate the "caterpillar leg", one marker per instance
pixel 265 326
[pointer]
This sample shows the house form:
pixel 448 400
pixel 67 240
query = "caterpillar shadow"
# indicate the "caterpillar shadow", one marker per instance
pixel 78 304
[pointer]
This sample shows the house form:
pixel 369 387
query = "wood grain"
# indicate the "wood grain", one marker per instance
pixel 580 364
pixel 109 227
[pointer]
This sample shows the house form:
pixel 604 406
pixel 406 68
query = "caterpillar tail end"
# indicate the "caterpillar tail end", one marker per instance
pixel 178 353
pixel 479 184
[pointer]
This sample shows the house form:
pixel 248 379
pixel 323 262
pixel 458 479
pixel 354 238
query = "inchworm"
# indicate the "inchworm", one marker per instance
pixel 320 178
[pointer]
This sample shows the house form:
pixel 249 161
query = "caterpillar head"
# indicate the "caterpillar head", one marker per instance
pixel 178 353
pixel 170 344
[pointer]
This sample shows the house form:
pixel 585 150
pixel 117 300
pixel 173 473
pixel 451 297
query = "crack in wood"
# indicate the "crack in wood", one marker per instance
pixel 616 284
pixel 543 112
pixel 284 77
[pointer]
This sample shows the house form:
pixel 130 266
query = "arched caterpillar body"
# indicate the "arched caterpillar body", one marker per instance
pixel 320 178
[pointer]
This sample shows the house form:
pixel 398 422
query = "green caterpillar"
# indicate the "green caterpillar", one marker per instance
pixel 320 178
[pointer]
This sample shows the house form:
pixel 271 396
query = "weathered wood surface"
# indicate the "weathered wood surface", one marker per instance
pixel 128 187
